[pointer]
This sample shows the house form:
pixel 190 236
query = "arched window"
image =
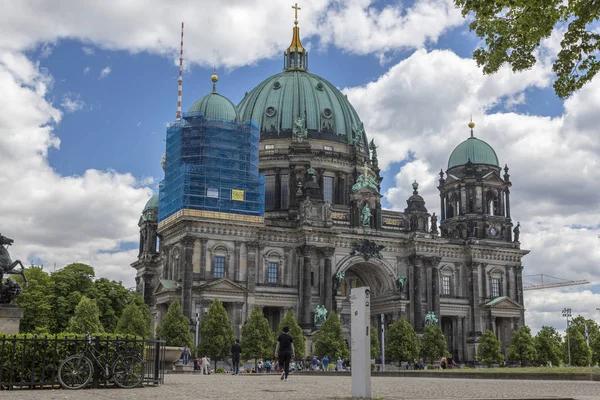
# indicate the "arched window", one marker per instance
pixel 491 203
pixel 219 255
pixel 273 262
pixel 447 281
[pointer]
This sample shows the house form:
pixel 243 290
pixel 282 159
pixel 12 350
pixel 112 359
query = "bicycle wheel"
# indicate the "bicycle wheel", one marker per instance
pixel 128 371
pixel 75 372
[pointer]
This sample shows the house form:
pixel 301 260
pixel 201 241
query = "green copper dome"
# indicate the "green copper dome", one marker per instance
pixel 475 150
pixel 152 204
pixel 213 105
pixel 277 102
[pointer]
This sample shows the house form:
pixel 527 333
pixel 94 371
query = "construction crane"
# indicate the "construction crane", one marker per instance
pixel 558 282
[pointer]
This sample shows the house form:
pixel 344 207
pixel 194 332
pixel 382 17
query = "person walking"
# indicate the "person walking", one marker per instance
pixel 236 350
pixel 186 355
pixel 205 364
pixel 340 365
pixel 284 351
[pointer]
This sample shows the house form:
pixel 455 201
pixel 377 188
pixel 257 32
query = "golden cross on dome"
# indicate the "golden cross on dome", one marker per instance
pixel 296 8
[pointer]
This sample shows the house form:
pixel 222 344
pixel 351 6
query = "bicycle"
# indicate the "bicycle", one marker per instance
pixel 126 371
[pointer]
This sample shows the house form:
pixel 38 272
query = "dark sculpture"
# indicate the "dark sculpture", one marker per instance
pixel 400 283
pixel 516 231
pixel 10 289
pixel 434 221
pixel 367 248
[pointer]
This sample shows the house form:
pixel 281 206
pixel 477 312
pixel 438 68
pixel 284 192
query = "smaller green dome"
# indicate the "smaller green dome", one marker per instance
pixel 475 150
pixel 213 105
pixel 152 204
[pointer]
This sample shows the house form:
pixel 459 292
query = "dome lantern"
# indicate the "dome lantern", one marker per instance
pixel 296 56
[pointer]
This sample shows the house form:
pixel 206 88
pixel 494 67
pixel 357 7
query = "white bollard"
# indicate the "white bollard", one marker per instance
pixel 360 301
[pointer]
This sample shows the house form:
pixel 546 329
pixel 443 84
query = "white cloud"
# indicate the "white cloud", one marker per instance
pixel 58 219
pixel 88 50
pixel 46 50
pixel 104 73
pixel 72 102
pixel 86 70
pixel 421 108
pixel 227 33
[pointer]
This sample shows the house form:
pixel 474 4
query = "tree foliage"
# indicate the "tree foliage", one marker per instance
pixel 402 342
pixel 595 347
pixel 489 349
pixel 175 327
pixel 38 301
pixel 514 29
pixel 71 283
pixel 329 340
pixel 295 332
pixel 134 321
pixel 522 346
pixel 375 347
pixel 433 344
pixel 86 318
pixel 112 298
pixel 258 340
pixel 580 323
pixel 216 332
pixel 581 354
pixel 548 346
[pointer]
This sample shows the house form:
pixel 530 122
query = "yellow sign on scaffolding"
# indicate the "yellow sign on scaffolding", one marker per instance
pixel 237 195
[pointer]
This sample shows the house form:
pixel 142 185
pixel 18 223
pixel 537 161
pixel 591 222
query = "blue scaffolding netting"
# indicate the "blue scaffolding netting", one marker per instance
pixel 212 165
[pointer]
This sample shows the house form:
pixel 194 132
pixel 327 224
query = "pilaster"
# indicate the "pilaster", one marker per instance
pixel 187 274
pixel 203 254
pixel 306 287
pixel 252 250
pixel 327 253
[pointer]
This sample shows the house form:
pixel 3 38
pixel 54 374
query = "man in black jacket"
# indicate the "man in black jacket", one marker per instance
pixel 236 350
pixel 285 351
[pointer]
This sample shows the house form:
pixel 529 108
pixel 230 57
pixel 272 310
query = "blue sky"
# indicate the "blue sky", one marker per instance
pixel 84 150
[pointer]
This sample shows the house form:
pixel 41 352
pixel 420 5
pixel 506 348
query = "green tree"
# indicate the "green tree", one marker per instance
pixel 295 332
pixel 433 344
pixel 38 301
pixel 86 318
pixel 133 322
pixel 581 355
pixel 329 340
pixel 216 333
pixel 513 30
pixel 548 346
pixel 489 349
pixel 522 346
pixel 175 327
pixel 258 340
pixel 112 298
pixel 595 347
pixel 580 323
pixel 375 347
pixel 402 342
pixel 71 283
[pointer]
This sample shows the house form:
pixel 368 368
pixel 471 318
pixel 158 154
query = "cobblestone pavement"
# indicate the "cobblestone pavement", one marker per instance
pixel 179 387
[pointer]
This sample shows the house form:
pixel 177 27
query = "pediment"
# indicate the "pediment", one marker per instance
pixel 492 176
pixel 166 285
pixel 503 303
pixel 224 285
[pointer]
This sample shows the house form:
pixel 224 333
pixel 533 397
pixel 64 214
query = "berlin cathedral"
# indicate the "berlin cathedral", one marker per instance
pixel 276 203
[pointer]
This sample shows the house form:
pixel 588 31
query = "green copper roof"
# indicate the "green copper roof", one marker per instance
pixel 213 105
pixel 282 98
pixel 475 150
pixel 495 301
pixel 152 204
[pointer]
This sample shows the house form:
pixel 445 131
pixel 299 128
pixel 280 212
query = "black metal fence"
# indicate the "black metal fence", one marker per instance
pixel 33 362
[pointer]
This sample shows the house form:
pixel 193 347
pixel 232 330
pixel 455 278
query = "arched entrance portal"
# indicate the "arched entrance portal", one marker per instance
pixel 379 276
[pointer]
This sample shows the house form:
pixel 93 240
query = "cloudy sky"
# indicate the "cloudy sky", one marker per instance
pixel 87 88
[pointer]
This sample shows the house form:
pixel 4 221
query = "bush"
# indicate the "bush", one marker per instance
pixel 220 371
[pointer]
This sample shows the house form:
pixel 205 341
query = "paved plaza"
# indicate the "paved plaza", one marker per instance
pixel 325 387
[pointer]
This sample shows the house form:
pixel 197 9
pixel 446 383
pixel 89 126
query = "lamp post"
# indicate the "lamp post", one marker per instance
pixel 566 312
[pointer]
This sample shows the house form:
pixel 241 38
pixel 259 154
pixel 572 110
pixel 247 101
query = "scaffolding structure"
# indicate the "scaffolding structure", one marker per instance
pixel 212 165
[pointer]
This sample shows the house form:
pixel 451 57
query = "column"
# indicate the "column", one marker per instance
pixel 203 274
pixel 328 254
pixel 463 201
pixel 306 287
pixel 507 192
pixel 442 208
pixel 474 296
pixel 166 250
pixel 484 283
pixel 435 295
pixel 519 283
pixel 252 249
pixel 277 189
pixel 287 266
pixel 462 340
pixel 455 338
pixel 236 261
pixel 187 275
pixel 417 293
